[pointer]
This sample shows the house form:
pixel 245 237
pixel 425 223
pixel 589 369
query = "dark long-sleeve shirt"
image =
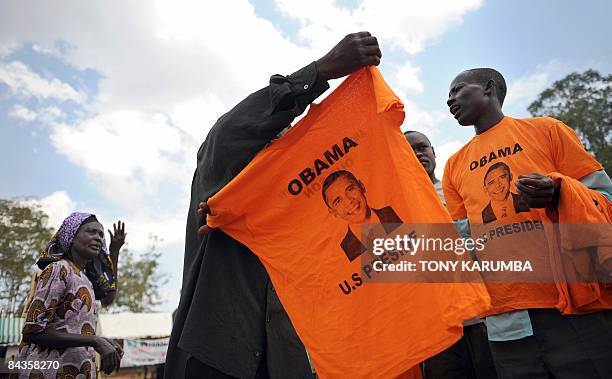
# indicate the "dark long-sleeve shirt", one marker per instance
pixel 229 316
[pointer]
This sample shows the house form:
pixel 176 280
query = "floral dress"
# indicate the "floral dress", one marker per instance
pixel 63 300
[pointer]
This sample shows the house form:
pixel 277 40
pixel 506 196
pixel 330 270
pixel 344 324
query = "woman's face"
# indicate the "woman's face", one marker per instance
pixel 88 241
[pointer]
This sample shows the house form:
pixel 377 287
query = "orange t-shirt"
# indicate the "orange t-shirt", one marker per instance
pixel 349 147
pixel 478 184
pixel 584 241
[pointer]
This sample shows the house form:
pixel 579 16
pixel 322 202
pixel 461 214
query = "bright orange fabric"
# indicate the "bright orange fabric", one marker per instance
pixel 478 183
pixel 275 206
pixel 583 242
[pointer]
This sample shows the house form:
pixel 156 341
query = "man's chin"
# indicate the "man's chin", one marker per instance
pixel 463 122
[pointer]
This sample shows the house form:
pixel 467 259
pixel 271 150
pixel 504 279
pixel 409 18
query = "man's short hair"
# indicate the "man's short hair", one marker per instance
pixel 406 133
pixel 333 177
pixel 482 77
pixel 496 166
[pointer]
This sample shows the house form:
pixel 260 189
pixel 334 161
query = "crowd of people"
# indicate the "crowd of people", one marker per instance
pixel 536 341
pixel 230 322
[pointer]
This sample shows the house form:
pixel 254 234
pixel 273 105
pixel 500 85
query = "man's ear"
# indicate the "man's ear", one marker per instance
pixel 490 88
pixel 434 152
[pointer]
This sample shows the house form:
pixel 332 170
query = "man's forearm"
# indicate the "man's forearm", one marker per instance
pixel 242 132
pixel 265 113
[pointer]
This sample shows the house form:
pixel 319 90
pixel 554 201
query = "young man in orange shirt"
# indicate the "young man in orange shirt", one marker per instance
pixel 529 337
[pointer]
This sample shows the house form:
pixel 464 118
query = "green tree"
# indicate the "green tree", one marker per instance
pixel 23 233
pixel 139 280
pixel 583 101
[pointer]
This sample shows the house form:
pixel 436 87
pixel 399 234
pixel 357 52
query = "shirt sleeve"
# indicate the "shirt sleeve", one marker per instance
pixel 246 129
pixel 463 227
pixel 600 182
pixel 50 289
pixel 454 201
pixel 569 155
pixel 238 136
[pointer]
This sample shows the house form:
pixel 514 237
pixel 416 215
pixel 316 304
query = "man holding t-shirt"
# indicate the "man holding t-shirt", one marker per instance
pixel 529 337
pixel 230 322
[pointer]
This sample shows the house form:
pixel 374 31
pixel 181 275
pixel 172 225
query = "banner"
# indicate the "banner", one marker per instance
pixel 142 352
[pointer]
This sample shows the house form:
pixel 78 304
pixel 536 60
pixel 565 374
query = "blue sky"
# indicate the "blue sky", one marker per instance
pixel 104 104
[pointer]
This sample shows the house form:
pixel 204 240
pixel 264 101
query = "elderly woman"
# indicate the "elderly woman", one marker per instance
pixel 61 315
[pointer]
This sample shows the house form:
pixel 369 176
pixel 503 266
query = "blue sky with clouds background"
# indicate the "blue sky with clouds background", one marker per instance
pixel 104 104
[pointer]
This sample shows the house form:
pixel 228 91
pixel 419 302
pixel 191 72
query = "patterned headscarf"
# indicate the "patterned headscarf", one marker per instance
pixel 99 270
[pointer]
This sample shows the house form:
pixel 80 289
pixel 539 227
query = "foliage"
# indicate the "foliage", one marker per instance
pixel 583 101
pixel 139 280
pixel 23 233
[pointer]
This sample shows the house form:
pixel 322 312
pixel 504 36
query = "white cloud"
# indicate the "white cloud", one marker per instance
pixel 23 113
pixel 407 77
pixel 169 297
pixel 6 49
pixel 430 123
pixel 197 114
pixel 47 115
pixel 525 89
pixel 141 226
pixel 57 206
pixel 443 152
pixel 50 114
pixel 168 52
pixel 175 68
pixel 427 122
pixel 406 25
pixel 128 154
pixel 49 50
pixel 21 80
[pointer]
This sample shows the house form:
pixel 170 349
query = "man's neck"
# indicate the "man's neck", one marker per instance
pixel 433 178
pixel 488 120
